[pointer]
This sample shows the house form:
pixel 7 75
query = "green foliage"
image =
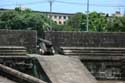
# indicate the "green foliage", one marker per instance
pixel 117 24
pixel 76 22
pixel 24 19
pixel 97 22
pixel 28 20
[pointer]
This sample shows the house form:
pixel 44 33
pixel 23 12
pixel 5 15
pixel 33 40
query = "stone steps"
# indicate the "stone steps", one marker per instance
pixel 12 51
pixel 108 48
pixel 123 68
pixel 108 56
pixel 12 47
pixel 93 51
pixel 94 54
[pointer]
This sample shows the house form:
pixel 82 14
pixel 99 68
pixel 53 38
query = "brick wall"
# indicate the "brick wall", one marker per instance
pixel 19 38
pixel 86 39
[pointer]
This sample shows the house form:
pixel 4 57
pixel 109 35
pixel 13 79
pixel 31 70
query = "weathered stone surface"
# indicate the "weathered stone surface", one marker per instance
pixel 64 69
pixel 19 38
pixel 5 80
pixel 102 64
pixel 86 39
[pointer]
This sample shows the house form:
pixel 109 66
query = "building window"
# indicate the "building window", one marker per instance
pixel 55 17
pixel 60 22
pixel 64 17
pixel 60 17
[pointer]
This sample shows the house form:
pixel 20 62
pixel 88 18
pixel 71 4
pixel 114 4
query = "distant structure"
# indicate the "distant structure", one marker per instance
pixel 59 18
pixel 104 14
pixel 117 13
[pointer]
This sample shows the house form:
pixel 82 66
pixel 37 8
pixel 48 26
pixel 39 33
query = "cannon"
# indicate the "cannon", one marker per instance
pixel 45 47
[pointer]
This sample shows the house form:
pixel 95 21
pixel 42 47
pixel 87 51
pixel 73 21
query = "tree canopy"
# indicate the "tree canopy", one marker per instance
pixel 24 19
pixel 116 24
pixel 97 23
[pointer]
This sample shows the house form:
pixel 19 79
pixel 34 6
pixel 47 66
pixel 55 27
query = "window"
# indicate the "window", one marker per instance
pixel 60 22
pixel 64 17
pixel 55 17
pixel 60 17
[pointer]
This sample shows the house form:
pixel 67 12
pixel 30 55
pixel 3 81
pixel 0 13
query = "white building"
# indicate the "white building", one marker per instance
pixel 59 18
pixel 117 13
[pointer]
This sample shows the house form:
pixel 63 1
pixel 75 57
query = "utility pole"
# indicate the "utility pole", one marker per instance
pixel 124 11
pixel 87 17
pixel 50 3
pixel 16 4
pixel 50 16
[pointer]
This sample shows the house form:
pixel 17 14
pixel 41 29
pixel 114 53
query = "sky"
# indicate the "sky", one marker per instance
pixel 67 6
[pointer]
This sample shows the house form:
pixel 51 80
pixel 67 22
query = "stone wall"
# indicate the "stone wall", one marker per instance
pixel 103 69
pixel 86 39
pixel 19 38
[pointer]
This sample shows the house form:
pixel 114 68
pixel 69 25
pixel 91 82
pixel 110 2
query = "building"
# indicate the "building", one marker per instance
pixel 59 18
pixel 117 13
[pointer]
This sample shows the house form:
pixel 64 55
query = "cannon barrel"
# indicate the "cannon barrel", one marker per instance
pixel 49 43
pixel 19 75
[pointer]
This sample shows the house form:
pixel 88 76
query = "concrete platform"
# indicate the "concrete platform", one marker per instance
pixel 64 69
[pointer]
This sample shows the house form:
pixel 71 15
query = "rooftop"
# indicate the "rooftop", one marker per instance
pixel 55 13
pixel 1 9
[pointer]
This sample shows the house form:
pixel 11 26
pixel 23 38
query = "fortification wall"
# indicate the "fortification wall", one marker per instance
pixel 86 39
pixel 102 69
pixel 19 38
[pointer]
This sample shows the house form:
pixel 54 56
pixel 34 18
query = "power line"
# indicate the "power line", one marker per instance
pixel 106 5
pixel 87 17
pixel 51 4
pixel 30 3
pixel 71 3
pixel 99 5
pixel 75 3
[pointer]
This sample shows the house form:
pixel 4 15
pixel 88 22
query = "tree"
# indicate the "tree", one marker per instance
pixel 24 19
pixel 97 22
pixel 77 22
pixel 116 24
